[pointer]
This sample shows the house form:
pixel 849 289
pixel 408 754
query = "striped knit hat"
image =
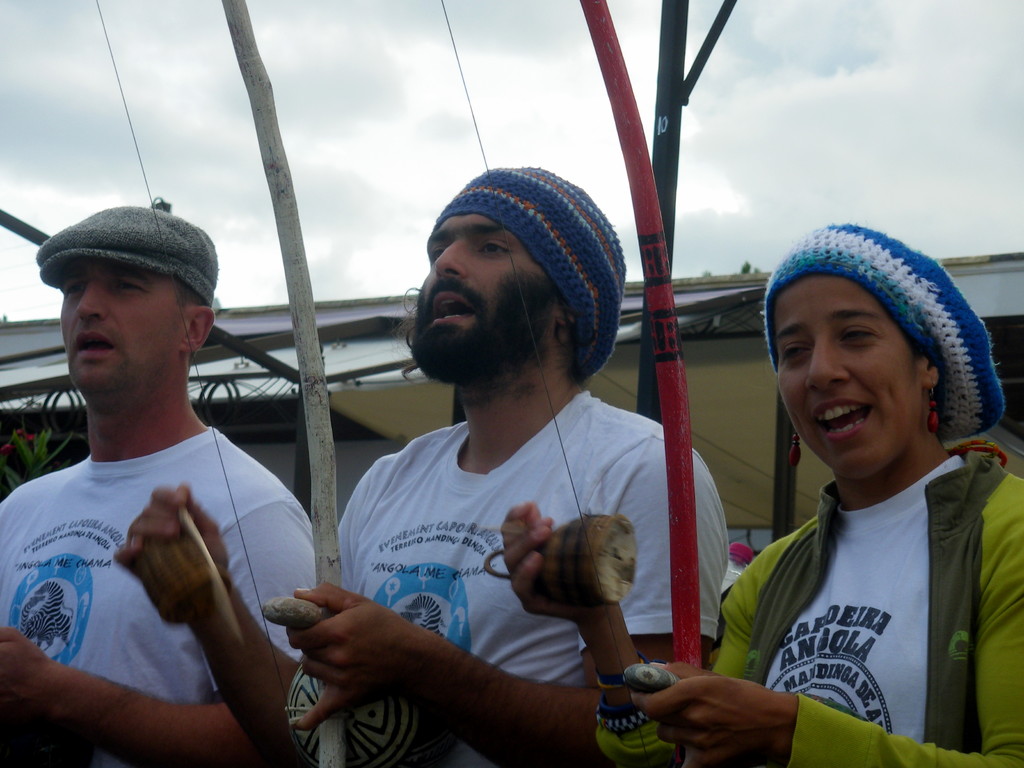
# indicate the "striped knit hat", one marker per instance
pixel 564 232
pixel 921 297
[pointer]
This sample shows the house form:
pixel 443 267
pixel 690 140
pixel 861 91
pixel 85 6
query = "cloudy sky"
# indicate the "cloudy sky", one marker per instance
pixel 905 116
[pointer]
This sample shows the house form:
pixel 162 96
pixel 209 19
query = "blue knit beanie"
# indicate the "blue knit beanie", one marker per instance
pixel 921 297
pixel 564 232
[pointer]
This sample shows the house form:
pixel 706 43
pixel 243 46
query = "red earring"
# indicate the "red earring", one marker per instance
pixel 933 414
pixel 794 450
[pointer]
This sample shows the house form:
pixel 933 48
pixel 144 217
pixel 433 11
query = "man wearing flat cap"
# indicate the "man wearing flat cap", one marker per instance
pixel 85 654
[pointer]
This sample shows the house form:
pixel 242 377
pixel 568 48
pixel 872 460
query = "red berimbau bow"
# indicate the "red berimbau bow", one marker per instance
pixel 668 357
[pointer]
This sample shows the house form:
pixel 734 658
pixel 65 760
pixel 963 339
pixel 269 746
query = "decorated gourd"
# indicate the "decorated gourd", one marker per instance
pixel 389 732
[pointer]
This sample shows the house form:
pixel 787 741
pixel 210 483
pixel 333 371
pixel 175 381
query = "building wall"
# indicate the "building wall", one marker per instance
pixel 353 458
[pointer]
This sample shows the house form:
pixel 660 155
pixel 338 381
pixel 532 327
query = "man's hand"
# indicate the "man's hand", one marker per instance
pixel 159 520
pixel 523 531
pixel 362 652
pixel 722 721
pixel 24 674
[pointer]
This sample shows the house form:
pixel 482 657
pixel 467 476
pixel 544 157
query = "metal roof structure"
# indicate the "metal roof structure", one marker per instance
pixel 245 377
pixel 359 338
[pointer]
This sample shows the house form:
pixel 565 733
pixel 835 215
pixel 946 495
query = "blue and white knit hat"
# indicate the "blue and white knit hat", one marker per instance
pixel 571 239
pixel 921 297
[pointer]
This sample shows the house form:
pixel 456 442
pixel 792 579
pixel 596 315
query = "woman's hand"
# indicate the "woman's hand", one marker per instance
pixel 722 721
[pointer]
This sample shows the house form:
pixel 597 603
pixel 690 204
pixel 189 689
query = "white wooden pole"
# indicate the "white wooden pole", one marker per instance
pixel 316 405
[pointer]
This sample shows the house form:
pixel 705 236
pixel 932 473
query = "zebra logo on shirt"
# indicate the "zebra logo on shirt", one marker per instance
pixel 431 595
pixel 51 606
pixel 45 618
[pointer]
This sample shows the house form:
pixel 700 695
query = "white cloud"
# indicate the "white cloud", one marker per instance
pixel 904 116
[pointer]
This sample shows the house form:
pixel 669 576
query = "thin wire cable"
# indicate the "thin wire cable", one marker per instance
pixel 533 337
pixel 522 297
pixel 465 88
pixel 124 101
pixel 192 351
pixel 234 509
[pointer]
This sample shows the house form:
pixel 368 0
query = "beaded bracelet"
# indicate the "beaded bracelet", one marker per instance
pixel 620 719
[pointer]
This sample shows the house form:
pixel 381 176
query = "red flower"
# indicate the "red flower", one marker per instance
pixel 26 435
pixel 6 450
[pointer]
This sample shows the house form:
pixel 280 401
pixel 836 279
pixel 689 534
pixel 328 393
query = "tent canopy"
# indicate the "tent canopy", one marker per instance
pixel 245 376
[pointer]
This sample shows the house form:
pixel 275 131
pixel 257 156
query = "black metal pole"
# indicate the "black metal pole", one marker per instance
pixel 784 488
pixel 665 161
pixel 673 93
pixel 19 227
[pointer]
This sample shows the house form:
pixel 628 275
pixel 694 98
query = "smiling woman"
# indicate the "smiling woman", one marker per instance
pixel 855 389
pixel 888 630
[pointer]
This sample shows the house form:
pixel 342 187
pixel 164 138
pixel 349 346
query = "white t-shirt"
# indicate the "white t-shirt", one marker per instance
pixel 60 585
pixel 417 530
pixel 862 642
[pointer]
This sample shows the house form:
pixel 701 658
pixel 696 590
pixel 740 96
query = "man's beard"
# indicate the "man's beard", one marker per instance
pixel 499 343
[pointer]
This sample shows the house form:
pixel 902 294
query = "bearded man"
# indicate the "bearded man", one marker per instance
pixel 519 309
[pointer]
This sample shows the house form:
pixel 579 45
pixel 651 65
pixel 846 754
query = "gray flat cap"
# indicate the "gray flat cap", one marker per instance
pixel 142 237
